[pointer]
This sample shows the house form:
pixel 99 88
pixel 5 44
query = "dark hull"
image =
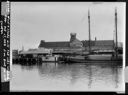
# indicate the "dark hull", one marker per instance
pixel 99 59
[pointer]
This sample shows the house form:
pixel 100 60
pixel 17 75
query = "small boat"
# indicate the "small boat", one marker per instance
pixel 50 58
pixel 73 59
pixel 76 59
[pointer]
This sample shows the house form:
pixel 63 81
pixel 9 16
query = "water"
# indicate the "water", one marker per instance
pixel 66 77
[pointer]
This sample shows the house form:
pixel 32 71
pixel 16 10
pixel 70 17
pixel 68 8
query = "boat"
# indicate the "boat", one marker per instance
pixel 108 55
pixel 75 59
pixel 91 58
pixel 50 58
pixel 99 55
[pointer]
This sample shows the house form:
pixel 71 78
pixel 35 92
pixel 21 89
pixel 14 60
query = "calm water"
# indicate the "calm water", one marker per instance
pixel 66 77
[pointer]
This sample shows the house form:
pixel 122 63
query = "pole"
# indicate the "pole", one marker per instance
pixel 89 31
pixel 116 31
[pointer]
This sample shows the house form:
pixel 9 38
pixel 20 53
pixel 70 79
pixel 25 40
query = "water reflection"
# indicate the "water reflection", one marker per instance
pixel 78 76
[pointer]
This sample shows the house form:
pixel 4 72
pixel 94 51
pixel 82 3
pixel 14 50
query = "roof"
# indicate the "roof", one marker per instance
pixel 36 51
pixel 54 44
pixel 65 44
pixel 70 51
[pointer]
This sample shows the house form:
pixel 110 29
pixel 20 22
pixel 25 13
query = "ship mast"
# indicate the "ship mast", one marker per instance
pixel 116 45
pixel 89 31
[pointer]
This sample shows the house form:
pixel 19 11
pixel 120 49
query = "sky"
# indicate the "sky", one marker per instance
pixel 32 22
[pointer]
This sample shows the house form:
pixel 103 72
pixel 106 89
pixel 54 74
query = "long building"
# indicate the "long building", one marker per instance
pixel 77 44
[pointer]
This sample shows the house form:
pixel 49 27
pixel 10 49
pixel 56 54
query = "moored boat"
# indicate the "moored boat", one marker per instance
pixel 50 58
pixel 76 59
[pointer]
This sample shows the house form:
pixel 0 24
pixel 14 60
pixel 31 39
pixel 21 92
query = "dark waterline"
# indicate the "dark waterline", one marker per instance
pixel 66 77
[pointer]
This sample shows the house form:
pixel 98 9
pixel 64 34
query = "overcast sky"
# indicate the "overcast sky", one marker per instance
pixel 54 21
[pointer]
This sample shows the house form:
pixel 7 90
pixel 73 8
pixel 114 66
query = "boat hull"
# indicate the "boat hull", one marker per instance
pixel 101 57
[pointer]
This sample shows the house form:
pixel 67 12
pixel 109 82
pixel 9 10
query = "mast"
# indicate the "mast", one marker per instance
pixel 116 46
pixel 89 31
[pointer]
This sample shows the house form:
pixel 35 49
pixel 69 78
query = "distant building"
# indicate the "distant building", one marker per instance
pixel 75 43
